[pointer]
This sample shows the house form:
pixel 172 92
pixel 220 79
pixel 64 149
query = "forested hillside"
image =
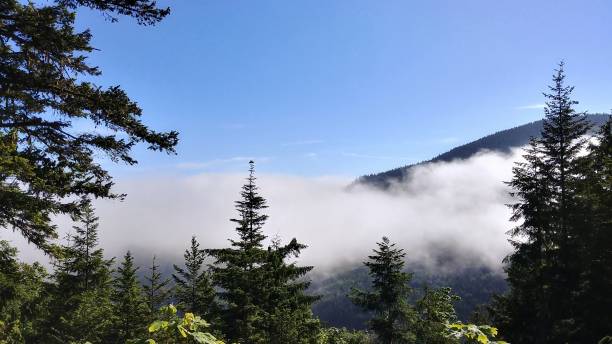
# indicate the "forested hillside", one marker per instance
pixel 501 141
pixel 474 286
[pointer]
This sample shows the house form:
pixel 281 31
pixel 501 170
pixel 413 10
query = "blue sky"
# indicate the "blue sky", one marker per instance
pixel 346 87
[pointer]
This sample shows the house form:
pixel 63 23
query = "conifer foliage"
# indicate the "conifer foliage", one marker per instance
pixel 393 317
pixel 46 85
pixel 83 262
pixel 81 308
pixel 596 246
pixel 264 300
pixel 156 288
pixel 286 306
pixel 23 297
pixel 193 287
pixel 557 191
pixel 129 302
pixel 435 310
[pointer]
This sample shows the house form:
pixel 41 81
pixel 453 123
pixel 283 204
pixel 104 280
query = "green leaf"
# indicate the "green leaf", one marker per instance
pixel 157 325
pixel 204 338
pixel 182 331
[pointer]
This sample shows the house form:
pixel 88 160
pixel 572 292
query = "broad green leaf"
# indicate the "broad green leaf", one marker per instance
pixel 482 338
pixel 204 338
pixel 157 325
pixel 182 331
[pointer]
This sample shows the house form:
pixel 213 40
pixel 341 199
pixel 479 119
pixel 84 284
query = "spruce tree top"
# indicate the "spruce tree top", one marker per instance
pixel 564 128
pixel 250 220
pixel 386 267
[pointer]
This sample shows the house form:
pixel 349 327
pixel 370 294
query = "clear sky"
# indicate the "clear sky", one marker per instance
pixel 347 87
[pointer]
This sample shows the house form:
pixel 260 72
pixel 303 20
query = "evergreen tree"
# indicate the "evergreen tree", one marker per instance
pixel 544 271
pixel 435 310
pixel 393 316
pixel 129 303
pixel 47 166
pixel 89 320
pixel 286 307
pixel 238 270
pixel 193 287
pixel 156 288
pixel 81 308
pixel 83 262
pixel 264 295
pixel 595 297
pixel 82 266
pixel 23 298
pixel 528 268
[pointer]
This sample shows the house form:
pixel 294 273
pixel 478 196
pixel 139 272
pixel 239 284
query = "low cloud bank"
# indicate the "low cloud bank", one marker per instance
pixel 453 212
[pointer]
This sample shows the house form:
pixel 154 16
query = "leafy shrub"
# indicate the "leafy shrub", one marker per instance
pixel 171 329
pixel 469 333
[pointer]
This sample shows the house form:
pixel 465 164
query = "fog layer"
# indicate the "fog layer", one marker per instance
pixel 453 211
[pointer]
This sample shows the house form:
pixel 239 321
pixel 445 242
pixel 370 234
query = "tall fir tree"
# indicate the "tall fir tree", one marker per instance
pixel 86 263
pixel 238 270
pixel 286 306
pixel 131 311
pixel 595 297
pixel 544 271
pixel 193 286
pixel 263 295
pixel 393 317
pixel 156 288
pixel 81 308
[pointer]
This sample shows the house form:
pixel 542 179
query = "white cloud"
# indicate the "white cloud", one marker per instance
pixel 457 207
pixel 531 107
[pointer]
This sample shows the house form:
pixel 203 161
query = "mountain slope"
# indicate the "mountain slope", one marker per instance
pixel 501 141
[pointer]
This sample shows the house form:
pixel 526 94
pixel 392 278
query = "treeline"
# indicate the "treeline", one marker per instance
pixel 248 293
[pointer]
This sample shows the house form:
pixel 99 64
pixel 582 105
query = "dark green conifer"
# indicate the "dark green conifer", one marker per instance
pixel 193 287
pixel 157 290
pixel 81 308
pixel 48 166
pixel 131 311
pixel 393 317
pixel 596 244
pixel 23 297
pixel 544 271
pixel 263 295
pixel 82 266
pixel 286 306
pixel 435 310
pixel 238 270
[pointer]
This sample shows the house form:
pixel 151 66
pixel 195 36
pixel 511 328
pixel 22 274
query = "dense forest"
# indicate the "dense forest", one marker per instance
pixel 255 290
pixel 475 287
